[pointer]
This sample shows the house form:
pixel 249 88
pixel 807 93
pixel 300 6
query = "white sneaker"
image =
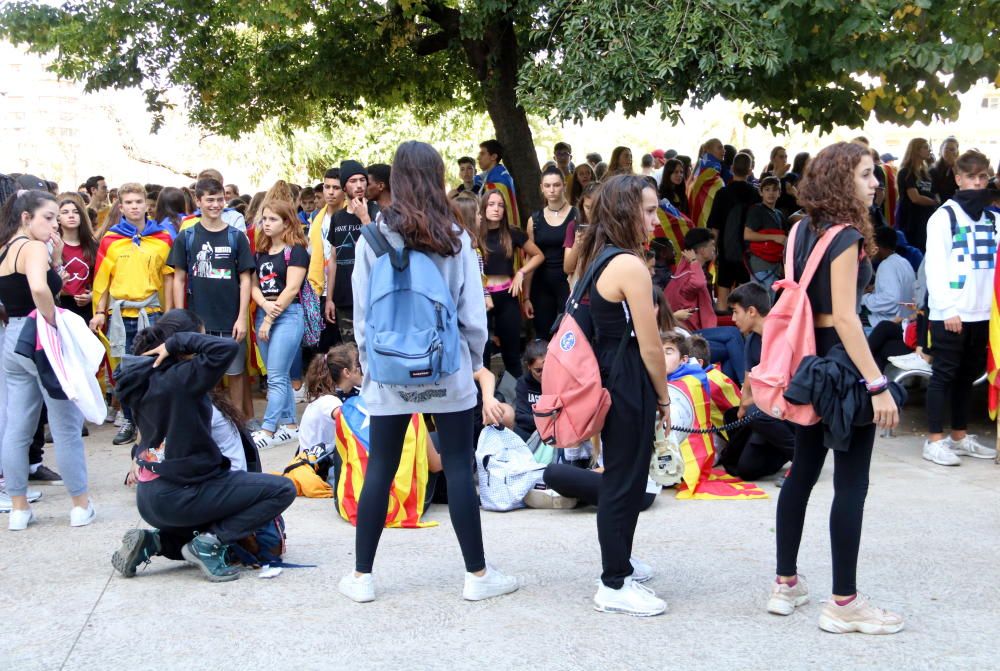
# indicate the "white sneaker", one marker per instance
pixel 20 519
pixel 911 361
pixel 492 583
pixel 300 394
pixel 632 599
pixel 284 434
pixel 940 453
pixel 641 571
pixel 859 616
pixel 81 517
pixel 970 447
pixel 6 505
pixel 262 440
pixel 784 599
pixel 119 418
pixel 358 588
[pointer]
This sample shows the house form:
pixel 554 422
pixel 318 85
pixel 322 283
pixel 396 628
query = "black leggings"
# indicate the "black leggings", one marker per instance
pixel 387 433
pixel 505 323
pixel 582 484
pixel 886 340
pixel 549 293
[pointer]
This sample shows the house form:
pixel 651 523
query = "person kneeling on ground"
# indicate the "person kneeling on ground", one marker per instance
pixel 186 488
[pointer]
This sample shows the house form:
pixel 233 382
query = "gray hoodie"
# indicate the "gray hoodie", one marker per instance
pixel 452 393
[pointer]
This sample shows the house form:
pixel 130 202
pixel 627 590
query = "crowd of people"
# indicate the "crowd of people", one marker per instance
pixel 198 290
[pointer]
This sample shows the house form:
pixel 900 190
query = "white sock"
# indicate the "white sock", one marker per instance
pixel 33 468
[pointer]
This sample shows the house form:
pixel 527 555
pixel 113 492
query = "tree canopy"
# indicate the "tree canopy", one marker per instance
pixel 818 63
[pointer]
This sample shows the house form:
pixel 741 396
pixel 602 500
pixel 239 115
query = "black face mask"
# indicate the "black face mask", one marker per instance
pixel 974 201
pixel 344 395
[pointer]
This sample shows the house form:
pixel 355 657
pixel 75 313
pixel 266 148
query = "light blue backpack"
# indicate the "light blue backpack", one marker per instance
pixel 412 325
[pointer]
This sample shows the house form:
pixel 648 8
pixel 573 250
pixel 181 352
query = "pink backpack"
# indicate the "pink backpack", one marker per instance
pixel 574 402
pixel 788 335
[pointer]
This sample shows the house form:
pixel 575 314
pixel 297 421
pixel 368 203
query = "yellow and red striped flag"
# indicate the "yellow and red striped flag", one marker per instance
pixel 701 480
pixel 993 350
pixel 674 225
pixel 702 195
pixel 409 486
pixel 724 394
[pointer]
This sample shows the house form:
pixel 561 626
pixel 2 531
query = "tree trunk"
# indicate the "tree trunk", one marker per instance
pixel 496 60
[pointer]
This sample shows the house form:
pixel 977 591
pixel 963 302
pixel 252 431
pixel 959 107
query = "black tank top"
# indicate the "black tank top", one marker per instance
pixel 15 293
pixel 609 318
pixel 550 239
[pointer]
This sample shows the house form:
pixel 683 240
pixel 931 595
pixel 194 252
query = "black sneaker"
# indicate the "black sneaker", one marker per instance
pixel 138 547
pixel 44 475
pixel 209 554
pixel 126 434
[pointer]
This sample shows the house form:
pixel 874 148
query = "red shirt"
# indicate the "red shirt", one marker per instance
pixel 79 273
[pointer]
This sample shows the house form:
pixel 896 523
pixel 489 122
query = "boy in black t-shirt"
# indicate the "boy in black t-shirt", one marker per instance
pixel 212 266
pixel 345 230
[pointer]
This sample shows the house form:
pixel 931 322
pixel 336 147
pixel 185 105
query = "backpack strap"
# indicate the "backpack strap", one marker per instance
pixel 952 219
pixel 816 255
pixel 376 240
pixel 583 286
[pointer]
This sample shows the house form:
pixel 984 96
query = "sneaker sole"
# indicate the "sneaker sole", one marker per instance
pixel 976 456
pixel 190 558
pixel 364 599
pixel 124 558
pixel 785 607
pixel 940 463
pixel 832 626
pixel 85 522
pixel 630 613
pixel 483 597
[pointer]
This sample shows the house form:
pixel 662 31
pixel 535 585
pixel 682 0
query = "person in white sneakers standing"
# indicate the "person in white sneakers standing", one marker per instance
pixel 960 262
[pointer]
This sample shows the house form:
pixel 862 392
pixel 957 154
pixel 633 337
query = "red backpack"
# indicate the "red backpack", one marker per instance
pixel 788 335
pixel 574 402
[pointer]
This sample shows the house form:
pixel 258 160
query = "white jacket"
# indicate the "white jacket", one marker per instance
pixel 75 354
pixel 960 267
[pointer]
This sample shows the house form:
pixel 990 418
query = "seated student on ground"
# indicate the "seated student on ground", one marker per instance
pixel 666 318
pixel 888 300
pixel 186 489
pixel 772 441
pixel 723 392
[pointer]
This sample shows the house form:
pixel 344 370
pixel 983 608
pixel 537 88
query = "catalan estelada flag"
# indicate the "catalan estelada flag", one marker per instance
pixel 702 195
pixel 499 180
pixel 409 487
pixel 993 350
pixel 891 195
pixel 674 224
pixel 701 480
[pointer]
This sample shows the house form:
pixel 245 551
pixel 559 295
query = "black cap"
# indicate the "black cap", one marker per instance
pixel 32 182
pixel 349 169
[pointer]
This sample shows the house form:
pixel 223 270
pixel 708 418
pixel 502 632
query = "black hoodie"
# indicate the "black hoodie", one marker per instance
pixel 528 391
pixel 171 405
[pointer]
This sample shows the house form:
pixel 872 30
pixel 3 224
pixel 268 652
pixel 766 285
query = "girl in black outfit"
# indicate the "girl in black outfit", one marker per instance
pixel 621 306
pixel 548 288
pixel 839 187
pixel 673 186
pixel 500 243
pixel 186 488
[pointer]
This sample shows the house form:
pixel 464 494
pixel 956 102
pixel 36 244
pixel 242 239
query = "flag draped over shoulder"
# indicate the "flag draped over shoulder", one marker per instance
pixel 409 486
pixel 724 393
pixel 499 180
pixel 674 224
pixel 891 195
pixel 993 350
pixel 701 195
pixel 701 480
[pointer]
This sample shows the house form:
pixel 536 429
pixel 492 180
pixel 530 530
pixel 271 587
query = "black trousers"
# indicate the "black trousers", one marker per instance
pixel 387 433
pixel 231 506
pixel 959 358
pixel 771 446
pixel 886 340
pixel 505 322
pixel 582 484
pixel 549 293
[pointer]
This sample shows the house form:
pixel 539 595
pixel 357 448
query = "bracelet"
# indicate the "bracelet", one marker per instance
pixel 876 392
pixel 663 405
pixel 877 384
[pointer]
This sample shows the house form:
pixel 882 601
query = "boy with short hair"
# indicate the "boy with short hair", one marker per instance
pixel 766 232
pixel 333 199
pixel 959 263
pixel 688 287
pixel 724 394
pixel 772 441
pixel 307 206
pixel 212 264
pixel 379 190
pixel 130 275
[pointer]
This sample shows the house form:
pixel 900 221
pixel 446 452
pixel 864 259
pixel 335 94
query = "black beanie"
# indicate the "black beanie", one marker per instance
pixel 349 169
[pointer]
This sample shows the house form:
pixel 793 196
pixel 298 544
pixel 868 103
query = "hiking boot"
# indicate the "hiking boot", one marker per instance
pixel 490 584
pixel 970 447
pixel 632 599
pixel 138 547
pixel 357 588
pixel 641 571
pixel 940 453
pixel 44 475
pixel 786 598
pixel 126 434
pixel 209 554
pixel 858 616
pixel 6 505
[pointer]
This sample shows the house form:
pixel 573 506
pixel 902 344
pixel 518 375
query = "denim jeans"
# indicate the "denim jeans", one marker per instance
pixel 131 329
pixel 765 278
pixel 726 345
pixel 20 404
pixel 278 352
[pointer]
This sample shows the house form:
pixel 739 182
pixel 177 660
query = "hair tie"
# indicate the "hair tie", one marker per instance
pixel 21 192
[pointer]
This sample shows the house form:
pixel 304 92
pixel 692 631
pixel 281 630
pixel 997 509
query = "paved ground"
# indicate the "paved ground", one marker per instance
pixel 929 550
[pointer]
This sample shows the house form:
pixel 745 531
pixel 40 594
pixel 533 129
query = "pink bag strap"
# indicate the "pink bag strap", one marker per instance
pixel 815 256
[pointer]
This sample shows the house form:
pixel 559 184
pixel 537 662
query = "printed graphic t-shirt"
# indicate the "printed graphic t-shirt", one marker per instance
pixel 213 274
pixel 77 269
pixel 272 271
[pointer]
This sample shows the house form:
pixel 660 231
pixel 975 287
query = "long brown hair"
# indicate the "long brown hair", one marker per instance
pixel 467 205
pixel 827 192
pixel 292 235
pixel 324 371
pixel 576 189
pixel 420 211
pixel 88 243
pixel 613 167
pixel 616 219
pixel 911 159
pixel 484 226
